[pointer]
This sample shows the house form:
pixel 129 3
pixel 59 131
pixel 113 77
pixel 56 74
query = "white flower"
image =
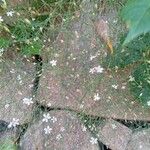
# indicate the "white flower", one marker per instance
pixel 114 126
pixel 53 62
pixel 54 119
pixel 92 57
pixel 58 137
pixel 123 87
pixel 13 123
pixel 99 69
pixel 62 129
pixel 93 140
pixel 46 117
pixel 27 101
pixel 96 97
pixel 49 104
pixel 92 70
pixel 115 86
pixel 131 79
pixel 10 13
pixel 84 128
pixel 6 106
pixel 148 103
pixel 1 19
pixel 1 51
pixel 47 130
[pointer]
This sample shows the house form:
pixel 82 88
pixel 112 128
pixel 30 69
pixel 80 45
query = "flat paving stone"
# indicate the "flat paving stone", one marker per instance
pixel 115 135
pixel 58 130
pixel 140 140
pixel 16 83
pixel 73 76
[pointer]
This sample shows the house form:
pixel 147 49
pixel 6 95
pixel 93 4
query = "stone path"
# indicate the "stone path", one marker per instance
pixel 73 78
pixel 57 130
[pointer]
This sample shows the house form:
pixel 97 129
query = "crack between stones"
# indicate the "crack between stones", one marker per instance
pixel 38 68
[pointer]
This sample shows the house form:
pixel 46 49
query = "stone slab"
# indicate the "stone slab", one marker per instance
pixel 115 135
pixel 58 130
pixel 16 82
pixel 140 140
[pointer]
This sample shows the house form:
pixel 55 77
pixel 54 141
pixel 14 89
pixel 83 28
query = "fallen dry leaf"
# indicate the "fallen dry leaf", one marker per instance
pixel 102 29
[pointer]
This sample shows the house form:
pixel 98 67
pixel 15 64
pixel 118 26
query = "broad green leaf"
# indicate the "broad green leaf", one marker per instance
pixel 137 15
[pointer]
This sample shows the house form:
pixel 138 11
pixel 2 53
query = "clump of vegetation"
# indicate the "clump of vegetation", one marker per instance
pixel 134 48
pixel 27 26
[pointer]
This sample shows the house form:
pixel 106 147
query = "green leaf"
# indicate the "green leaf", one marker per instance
pixel 137 15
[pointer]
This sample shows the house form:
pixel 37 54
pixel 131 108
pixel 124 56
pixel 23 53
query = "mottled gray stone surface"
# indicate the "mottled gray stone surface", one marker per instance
pixel 16 82
pixel 115 135
pixel 60 130
pixel 140 140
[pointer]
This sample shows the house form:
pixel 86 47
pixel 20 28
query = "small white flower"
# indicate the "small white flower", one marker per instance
pixel 62 129
pixel 99 69
pixel 1 51
pixel 114 126
pixel 148 103
pixel 131 79
pixel 10 13
pixel 6 106
pixel 92 70
pixel 140 146
pixel 46 117
pixel 96 97
pixel 1 19
pixel 93 140
pixel 92 57
pixel 115 86
pixel 49 104
pixel 58 137
pixel 81 106
pixel 47 130
pixel 123 87
pixel 84 128
pixel 12 71
pixel 27 101
pixel 13 123
pixel 53 63
pixel 54 119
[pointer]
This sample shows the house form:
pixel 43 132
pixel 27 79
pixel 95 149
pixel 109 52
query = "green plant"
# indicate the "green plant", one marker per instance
pixel 136 14
pixel 134 48
pixel 28 31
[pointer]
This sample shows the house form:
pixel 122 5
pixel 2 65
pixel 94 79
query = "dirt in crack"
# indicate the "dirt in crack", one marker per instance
pixel 38 68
